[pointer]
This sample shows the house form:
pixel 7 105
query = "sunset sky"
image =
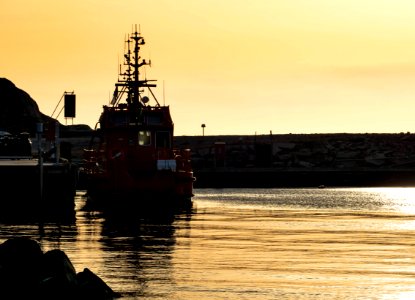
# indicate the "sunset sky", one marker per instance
pixel 240 67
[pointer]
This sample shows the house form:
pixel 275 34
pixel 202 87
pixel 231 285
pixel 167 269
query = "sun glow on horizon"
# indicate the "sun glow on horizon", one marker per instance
pixel 401 198
pixel 241 68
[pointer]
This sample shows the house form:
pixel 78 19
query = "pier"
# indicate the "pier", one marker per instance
pixel 31 192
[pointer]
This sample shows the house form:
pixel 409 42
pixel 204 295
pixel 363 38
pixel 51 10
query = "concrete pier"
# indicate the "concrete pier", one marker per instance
pixel 22 194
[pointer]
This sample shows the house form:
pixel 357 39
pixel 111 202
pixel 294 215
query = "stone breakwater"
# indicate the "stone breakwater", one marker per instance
pixel 28 273
pixel 303 151
pixel 293 159
pixel 303 160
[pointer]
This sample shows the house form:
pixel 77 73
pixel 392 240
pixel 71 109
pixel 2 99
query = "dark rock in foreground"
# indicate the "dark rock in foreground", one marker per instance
pixel 28 273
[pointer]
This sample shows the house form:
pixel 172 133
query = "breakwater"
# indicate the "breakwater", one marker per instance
pixel 294 160
pixel 303 160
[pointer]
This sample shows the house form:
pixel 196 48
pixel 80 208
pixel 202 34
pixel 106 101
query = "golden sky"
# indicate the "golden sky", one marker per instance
pixel 240 67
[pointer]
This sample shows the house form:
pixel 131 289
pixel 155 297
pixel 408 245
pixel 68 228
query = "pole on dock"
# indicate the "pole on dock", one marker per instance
pixel 57 143
pixel 203 129
pixel 39 131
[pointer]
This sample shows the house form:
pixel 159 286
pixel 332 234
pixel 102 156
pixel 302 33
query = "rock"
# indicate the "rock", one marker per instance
pixel 18 111
pixel 28 273
pixel 93 287
pixel 20 261
pixel 58 276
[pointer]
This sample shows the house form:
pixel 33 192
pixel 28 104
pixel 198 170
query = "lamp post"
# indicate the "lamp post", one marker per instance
pixel 203 129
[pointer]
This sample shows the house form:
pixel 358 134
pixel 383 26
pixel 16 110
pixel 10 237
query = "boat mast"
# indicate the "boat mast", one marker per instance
pixel 130 79
pixel 135 86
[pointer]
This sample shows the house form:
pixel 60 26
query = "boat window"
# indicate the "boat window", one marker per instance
pixel 155 118
pixel 163 139
pixel 119 118
pixel 144 138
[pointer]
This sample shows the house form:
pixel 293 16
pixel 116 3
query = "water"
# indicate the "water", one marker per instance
pixel 249 244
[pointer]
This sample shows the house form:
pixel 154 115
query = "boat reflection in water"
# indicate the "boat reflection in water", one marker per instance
pixel 131 252
pixel 131 160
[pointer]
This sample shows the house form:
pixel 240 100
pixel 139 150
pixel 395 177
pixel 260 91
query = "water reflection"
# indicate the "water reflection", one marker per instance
pixel 130 250
pixel 135 247
pixel 144 247
pixel 371 199
pixel 247 244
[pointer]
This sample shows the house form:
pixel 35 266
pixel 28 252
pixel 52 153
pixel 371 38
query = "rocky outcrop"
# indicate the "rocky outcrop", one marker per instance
pixel 28 273
pixel 18 111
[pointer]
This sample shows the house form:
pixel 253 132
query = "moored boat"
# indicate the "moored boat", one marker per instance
pixel 131 159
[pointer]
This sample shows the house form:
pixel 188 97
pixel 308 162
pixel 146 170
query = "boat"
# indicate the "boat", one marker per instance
pixel 131 159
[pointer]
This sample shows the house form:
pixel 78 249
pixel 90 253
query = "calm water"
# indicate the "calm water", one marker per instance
pixel 250 244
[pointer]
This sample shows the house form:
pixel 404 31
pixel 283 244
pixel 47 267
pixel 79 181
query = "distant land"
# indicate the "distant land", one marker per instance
pixel 273 160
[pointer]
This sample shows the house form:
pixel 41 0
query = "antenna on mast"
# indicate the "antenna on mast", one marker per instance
pixel 164 101
pixel 125 41
pixel 118 61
